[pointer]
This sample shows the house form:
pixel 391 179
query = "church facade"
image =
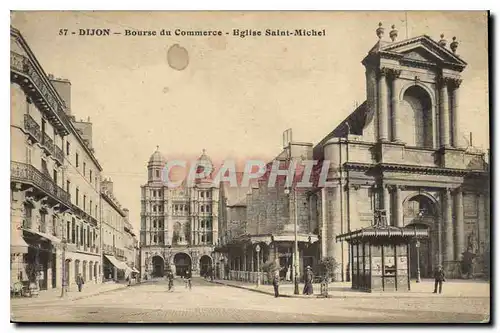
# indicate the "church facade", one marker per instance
pixel 178 225
pixel 400 152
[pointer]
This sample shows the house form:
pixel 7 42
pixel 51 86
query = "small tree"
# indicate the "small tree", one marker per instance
pixel 328 266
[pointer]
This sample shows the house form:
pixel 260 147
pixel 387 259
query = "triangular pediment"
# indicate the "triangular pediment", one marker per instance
pixel 423 48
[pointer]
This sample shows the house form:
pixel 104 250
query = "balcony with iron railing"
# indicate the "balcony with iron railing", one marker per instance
pixel 32 127
pixel 59 155
pixel 83 215
pixel 28 174
pixel 24 72
pixel 48 144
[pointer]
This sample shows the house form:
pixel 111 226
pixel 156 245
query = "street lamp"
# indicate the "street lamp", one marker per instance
pixel 63 261
pixel 257 249
pixel 417 245
pixel 296 243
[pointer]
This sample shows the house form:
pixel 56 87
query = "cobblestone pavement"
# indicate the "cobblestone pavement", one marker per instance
pixel 207 302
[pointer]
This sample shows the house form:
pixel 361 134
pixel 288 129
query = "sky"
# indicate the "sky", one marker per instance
pixel 235 96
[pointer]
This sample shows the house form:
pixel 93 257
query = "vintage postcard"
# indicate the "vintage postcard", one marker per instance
pixel 250 167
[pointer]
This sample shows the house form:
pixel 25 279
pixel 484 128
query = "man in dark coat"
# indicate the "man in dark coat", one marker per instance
pixel 276 283
pixel 170 277
pixel 308 286
pixel 187 278
pixel 438 279
pixel 80 282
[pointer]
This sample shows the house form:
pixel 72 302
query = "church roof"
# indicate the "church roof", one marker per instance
pixel 157 157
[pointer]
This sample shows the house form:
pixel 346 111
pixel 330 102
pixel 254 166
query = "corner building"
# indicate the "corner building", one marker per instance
pixel 178 225
pixel 54 179
pixel 400 151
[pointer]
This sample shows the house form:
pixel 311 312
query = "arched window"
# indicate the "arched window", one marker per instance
pixel 416 118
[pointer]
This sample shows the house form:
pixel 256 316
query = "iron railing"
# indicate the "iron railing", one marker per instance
pixel 27 173
pixel 32 127
pixel 48 143
pixel 58 154
pixel 22 65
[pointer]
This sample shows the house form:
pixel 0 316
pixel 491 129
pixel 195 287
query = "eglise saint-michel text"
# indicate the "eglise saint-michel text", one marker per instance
pixel 242 33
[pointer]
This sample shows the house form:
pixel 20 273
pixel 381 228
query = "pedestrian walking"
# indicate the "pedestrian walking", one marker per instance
pixel 79 282
pixel 276 283
pixel 288 273
pixel 170 277
pixel 439 278
pixel 187 279
pixel 308 286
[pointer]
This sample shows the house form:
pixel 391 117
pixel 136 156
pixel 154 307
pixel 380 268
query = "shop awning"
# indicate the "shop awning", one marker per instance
pixel 117 263
pixel 17 243
pixel 48 237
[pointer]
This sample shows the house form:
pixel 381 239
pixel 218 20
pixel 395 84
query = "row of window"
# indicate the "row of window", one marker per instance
pixel 93 210
pixel 158 238
pixel 205 194
pixel 157 193
pixel 77 165
pixel 157 208
pixel 79 234
pixel 205 208
pixel 160 224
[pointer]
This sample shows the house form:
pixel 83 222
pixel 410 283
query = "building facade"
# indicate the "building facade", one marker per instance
pixel 399 152
pixel 114 223
pixel 131 243
pixel 265 220
pixel 179 226
pixel 54 180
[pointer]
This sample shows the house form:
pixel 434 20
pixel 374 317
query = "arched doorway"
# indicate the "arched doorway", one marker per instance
pixel 205 265
pixel 416 112
pixel 420 212
pixel 158 266
pixel 182 263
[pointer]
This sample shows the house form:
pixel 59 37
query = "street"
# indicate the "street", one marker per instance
pixel 208 303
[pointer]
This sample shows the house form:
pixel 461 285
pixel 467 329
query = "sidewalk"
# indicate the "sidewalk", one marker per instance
pixel 451 289
pixel 88 290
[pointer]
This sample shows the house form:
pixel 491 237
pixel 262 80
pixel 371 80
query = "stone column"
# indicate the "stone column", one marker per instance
pixel 444 114
pixel 382 103
pixel 386 202
pixel 448 225
pixel 398 207
pixel 394 105
pixel 324 219
pixel 244 258
pixel 459 218
pixel 334 224
pixel 252 262
pixel 455 112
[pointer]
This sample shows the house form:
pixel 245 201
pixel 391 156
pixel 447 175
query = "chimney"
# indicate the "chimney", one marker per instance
pixel 84 128
pixel 63 88
pixel 107 185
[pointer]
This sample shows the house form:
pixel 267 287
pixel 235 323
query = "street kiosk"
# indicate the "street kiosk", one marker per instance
pixel 380 255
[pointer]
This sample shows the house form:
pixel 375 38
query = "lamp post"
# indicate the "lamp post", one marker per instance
pixel 296 243
pixel 257 249
pixel 417 245
pixel 63 261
